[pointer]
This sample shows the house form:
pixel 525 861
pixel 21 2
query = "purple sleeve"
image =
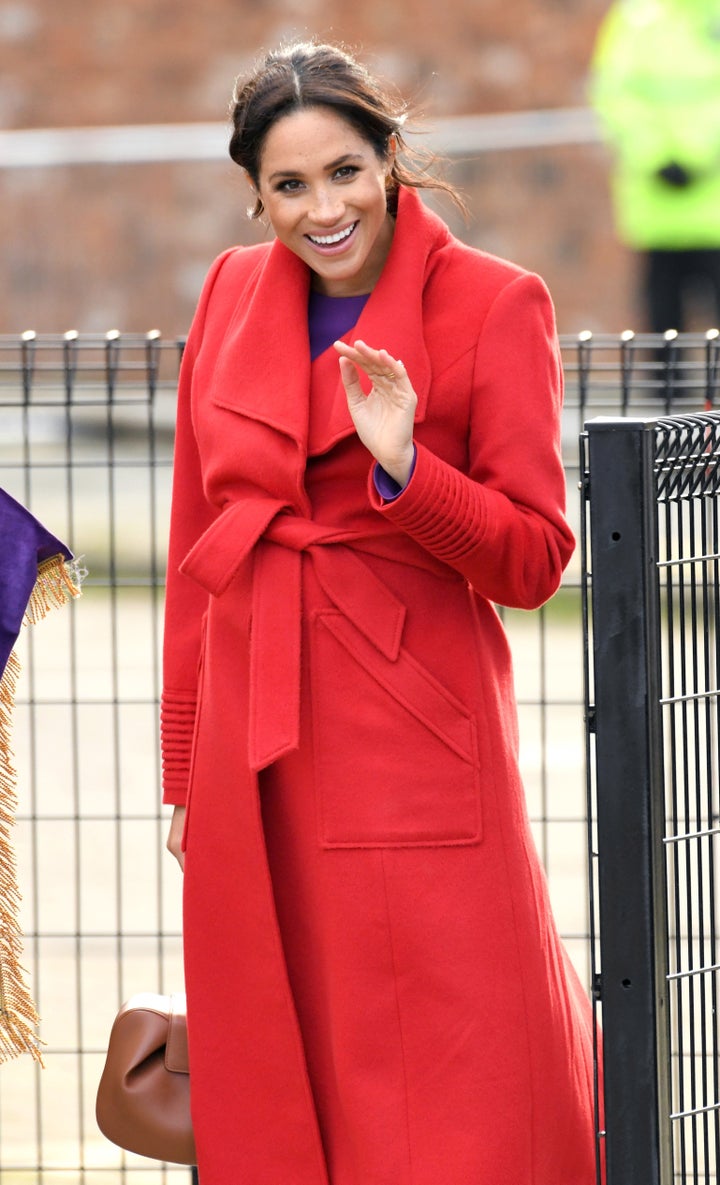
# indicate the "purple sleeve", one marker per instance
pixel 386 486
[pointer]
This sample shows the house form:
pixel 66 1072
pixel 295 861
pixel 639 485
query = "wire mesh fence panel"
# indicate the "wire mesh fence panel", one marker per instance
pixel 86 431
pixel 655 570
pixel 687 489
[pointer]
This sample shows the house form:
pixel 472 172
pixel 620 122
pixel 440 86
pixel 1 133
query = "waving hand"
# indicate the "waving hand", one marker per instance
pixel 384 418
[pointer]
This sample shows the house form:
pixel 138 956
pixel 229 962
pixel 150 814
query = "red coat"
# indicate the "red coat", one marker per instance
pixel 377 994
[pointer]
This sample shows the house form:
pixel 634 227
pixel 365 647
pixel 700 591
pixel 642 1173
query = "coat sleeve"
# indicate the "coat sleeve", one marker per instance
pixel 185 601
pixel 502 524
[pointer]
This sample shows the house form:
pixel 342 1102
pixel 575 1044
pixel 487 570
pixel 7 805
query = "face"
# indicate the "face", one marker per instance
pixel 323 189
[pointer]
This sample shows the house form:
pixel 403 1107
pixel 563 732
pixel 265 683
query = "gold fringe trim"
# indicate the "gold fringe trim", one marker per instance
pixel 18 1015
pixel 57 582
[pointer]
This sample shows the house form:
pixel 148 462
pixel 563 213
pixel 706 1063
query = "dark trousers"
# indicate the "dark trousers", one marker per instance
pixel 672 278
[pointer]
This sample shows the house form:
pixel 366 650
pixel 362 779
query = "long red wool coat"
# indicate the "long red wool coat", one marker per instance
pixel 377 994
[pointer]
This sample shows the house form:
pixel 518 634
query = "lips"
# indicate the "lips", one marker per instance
pixel 334 241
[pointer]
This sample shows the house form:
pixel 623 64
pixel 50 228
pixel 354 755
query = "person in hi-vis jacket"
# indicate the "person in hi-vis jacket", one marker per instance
pixel 655 84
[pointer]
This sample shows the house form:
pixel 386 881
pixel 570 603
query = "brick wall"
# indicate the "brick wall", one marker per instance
pixel 126 246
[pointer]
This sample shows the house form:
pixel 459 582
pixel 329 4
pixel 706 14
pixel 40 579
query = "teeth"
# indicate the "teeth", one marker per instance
pixel 328 240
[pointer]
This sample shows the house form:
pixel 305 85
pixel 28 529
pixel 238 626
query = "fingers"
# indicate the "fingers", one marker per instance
pixel 377 364
pixel 175 834
pixel 350 375
pixel 179 855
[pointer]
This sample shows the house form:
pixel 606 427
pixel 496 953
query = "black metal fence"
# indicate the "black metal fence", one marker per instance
pixel 86 429
pixel 653 493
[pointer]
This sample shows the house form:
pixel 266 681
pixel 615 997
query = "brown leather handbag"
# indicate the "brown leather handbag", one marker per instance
pixel 143 1099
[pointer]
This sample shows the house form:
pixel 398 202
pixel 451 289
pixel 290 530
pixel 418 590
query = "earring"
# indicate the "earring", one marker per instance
pixel 256 211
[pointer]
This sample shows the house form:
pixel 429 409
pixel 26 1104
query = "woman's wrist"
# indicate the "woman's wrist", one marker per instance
pixel 386 485
pixel 399 468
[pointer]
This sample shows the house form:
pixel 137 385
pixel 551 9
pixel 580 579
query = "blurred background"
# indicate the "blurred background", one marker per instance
pixel 100 233
pixel 117 193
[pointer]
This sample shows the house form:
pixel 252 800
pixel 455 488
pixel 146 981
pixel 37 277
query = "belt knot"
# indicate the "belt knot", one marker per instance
pixel 277 541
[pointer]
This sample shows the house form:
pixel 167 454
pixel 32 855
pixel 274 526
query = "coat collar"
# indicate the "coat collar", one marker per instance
pixel 264 369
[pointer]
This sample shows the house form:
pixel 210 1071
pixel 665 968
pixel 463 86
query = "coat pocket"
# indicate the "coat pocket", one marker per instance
pixel 396 759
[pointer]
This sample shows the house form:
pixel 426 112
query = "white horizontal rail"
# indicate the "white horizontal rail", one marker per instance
pixel 460 136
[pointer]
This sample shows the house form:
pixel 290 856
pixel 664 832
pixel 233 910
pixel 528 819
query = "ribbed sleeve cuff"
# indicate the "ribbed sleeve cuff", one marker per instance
pixel 440 508
pixel 177 725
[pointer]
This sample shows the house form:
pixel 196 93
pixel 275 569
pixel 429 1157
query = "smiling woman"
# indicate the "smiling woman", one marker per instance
pixel 367 460
pixel 324 189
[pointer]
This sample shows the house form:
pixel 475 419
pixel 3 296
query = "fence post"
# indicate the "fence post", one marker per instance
pixel 629 793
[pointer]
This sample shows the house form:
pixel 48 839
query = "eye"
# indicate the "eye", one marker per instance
pixel 346 172
pixel 292 185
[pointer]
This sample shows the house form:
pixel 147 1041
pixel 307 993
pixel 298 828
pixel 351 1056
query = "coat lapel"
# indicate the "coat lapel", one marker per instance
pixel 393 316
pixel 263 368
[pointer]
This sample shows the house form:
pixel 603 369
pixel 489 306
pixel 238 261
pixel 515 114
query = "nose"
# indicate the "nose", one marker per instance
pixel 327 206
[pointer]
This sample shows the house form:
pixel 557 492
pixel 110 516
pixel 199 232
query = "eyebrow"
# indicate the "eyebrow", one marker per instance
pixel 281 174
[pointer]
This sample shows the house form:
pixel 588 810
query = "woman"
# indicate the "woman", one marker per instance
pixel 366 459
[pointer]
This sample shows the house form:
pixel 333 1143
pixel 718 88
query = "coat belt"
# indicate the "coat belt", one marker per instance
pixel 277 540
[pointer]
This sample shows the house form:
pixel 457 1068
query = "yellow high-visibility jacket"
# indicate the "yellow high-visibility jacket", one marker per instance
pixel 655 85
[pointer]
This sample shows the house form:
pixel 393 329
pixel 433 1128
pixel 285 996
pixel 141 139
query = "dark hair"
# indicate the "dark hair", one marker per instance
pixel 308 74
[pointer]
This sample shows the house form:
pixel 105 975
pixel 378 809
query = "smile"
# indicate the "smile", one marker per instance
pixel 332 240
